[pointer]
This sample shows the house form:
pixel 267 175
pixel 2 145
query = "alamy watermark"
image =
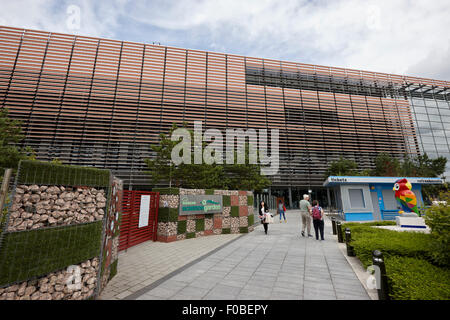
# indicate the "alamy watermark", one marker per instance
pixel 73 21
pixel 213 152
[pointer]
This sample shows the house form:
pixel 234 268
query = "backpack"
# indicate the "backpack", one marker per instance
pixel 316 213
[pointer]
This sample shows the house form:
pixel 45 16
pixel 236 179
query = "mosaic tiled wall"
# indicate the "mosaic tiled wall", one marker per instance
pixel 112 231
pixel 236 217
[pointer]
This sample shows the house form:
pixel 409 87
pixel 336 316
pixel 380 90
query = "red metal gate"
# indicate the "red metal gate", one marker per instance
pixel 130 233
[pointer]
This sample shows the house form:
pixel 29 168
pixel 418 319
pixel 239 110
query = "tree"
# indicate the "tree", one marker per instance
pixel 342 167
pixel 386 166
pixel 245 176
pixel 203 176
pixel 10 136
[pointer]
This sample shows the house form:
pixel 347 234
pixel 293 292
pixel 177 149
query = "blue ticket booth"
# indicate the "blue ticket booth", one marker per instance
pixel 371 198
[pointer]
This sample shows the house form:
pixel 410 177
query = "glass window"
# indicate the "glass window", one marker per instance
pixel 432 155
pixel 436 125
pixel 418 102
pixel 421 116
pixel 447 155
pixel 356 197
pixel 442 148
pixel 442 104
pixel 440 140
pixel 425 132
pixel 423 124
pixel 427 140
pixel 429 147
pixel 434 118
pixel 430 103
pixel 444 112
pixel 420 110
pixel 432 111
pixel 438 133
pixel 389 199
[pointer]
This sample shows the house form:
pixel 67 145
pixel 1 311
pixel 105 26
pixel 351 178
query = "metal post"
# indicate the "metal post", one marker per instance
pixel 4 189
pixel 339 232
pixel 348 238
pixel 333 224
pixel 290 199
pixel 377 260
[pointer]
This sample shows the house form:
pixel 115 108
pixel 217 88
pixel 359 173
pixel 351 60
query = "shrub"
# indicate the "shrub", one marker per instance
pixel 416 279
pixel 251 220
pixel 365 239
pixel 250 200
pixel 243 229
pixel 181 227
pixel 226 231
pixel 438 219
pixel 166 190
pixel 113 269
pixel 226 201
pixel 190 235
pixel 33 253
pixel 199 224
pixel 46 173
pixel 167 214
pixel 234 211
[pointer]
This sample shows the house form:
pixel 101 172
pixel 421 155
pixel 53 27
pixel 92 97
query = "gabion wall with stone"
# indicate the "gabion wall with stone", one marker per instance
pixel 236 217
pixel 51 243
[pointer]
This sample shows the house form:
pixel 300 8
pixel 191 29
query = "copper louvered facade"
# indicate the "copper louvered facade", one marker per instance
pixel 102 103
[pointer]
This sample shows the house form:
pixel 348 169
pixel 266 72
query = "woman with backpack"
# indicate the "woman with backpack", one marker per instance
pixel 282 210
pixel 317 215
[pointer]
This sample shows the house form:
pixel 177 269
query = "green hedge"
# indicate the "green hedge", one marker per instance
pixel 200 225
pixel 167 214
pixel 209 191
pixel 416 279
pixel 166 190
pixel 113 269
pixel 190 235
pixel 250 200
pixel 243 229
pixel 34 253
pixel 46 173
pixel 226 231
pixel 234 211
pixel 226 201
pixel 365 239
pixel 409 261
pixel 181 227
pixel 251 220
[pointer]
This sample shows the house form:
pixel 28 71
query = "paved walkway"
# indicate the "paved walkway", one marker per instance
pixel 281 265
pixel 145 263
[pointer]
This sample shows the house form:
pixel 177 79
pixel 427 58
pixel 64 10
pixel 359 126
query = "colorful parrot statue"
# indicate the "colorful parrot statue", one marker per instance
pixel 405 196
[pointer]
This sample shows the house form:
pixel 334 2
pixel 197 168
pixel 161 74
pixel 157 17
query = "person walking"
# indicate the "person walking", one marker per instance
pixel 305 211
pixel 263 211
pixel 282 210
pixel 317 215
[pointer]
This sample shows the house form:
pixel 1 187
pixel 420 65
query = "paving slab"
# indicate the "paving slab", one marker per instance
pixel 280 265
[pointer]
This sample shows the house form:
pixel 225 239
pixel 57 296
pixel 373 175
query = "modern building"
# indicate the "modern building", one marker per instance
pixel 100 102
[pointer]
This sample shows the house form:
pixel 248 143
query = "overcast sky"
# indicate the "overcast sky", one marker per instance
pixel 406 37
